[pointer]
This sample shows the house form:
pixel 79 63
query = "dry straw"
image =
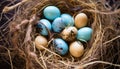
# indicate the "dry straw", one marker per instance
pixel 102 51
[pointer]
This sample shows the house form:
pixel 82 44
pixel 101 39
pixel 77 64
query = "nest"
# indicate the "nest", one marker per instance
pixel 17 50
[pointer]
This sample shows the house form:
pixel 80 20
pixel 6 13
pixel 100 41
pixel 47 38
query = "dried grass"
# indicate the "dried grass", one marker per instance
pixel 101 52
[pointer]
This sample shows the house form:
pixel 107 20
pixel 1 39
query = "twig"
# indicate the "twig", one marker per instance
pixel 9 57
pixel 111 40
pixel 66 64
pixel 28 37
pixel 37 60
pixel 7 9
pixel 23 23
pixel 95 62
pixel 50 51
pixel 29 29
pixel 44 64
pixel 102 12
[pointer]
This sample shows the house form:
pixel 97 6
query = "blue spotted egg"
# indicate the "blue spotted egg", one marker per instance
pixel 51 12
pixel 61 47
pixel 84 34
pixel 44 26
pixel 67 19
pixel 58 25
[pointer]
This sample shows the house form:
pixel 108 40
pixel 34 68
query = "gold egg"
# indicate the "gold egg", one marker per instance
pixel 40 41
pixel 81 20
pixel 76 49
pixel 69 33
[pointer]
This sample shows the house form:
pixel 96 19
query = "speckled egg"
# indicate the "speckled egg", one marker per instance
pixel 51 12
pixel 67 19
pixel 58 25
pixel 60 46
pixel 84 34
pixel 69 33
pixel 81 20
pixel 76 49
pixel 44 25
pixel 40 41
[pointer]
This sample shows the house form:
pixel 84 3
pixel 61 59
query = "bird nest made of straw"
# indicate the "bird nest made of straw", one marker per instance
pixel 18 51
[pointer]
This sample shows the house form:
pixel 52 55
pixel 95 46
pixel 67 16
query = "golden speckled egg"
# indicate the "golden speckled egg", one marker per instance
pixel 40 41
pixel 81 20
pixel 69 33
pixel 76 49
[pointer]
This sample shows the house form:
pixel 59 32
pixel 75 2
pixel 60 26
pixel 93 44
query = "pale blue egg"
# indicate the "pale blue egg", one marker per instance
pixel 61 47
pixel 84 34
pixel 44 25
pixel 67 19
pixel 51 12
pixel 43 30
pixel 58 25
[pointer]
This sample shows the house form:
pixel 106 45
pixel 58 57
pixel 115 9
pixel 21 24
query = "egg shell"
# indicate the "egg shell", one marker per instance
pixel 51 12
pixel 84 34
pixel 44 25
pixel 69 33
pixel 60 46
pixel 67 19
pixel 43 31
pixel 40 42
pixel 81 20
pixel 58 25
pixel 76 49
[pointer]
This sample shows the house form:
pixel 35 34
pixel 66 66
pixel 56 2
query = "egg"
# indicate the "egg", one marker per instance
pixel 69 33
pixel 81 20
pixel 58 25
pixel 76 49
pixel 60 46
pixel 51 12
pixel 44 25
pixel 40 41
pixel 67 19
pixel 84 34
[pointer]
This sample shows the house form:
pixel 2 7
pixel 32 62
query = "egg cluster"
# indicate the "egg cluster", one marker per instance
pixel 72 31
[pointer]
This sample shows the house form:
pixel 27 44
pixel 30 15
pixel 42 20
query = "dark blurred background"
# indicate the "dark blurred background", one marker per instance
pixel 5 18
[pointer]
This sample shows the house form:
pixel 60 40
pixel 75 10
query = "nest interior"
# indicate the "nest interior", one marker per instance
pixel 17 34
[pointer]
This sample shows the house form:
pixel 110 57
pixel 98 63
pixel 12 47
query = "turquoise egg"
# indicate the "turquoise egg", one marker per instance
pixel 51 12
pixel 84 34
pixel 44 25
pixel 60 46
pixel 58 25
pixel 67 19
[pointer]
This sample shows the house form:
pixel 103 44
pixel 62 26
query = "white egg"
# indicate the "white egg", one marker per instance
pixel 81 20
pixel 76 49
pixel 69 33
pixel 40 41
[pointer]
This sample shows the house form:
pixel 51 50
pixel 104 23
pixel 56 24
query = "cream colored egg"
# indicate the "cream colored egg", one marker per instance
pixel 40 41
pixel 76 49
pixel 81 20
pixel 69 33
